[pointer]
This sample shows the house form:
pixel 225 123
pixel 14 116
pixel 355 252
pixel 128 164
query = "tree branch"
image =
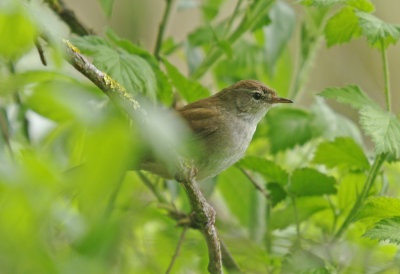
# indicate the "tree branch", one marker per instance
pixel 204 216
pixel 108 85
pixel 69 17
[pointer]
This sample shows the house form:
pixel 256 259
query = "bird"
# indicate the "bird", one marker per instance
pixel 224 125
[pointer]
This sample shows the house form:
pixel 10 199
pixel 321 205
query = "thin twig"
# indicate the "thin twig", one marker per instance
pixel 69 17
pixel 153 189
pixel 255 183
pixel 228 260
pixel 204 216
pixel 40 52
pixel 178 247
pixel 161 29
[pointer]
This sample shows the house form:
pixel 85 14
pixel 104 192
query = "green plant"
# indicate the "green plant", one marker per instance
pixel 309 196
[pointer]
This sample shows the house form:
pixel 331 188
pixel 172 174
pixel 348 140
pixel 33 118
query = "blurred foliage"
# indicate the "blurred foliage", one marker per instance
pixel 69 204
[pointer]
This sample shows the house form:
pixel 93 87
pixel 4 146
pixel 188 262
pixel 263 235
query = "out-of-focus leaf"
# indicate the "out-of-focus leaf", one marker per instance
pixel 211 8
pixel 276 193
pixel 107 6
pixel 234 186
pixel 203 35
pixel 386 229
pixel 132 71
pixel 187 4
pixel 342 27
pixel 379 208
pixel 352 95
pixel 305 207
pixel 189 89
pixel 278 33
pixel 164 92
pixel 377 30
pixel 310 182
pixel 271 171
pixel 349 189
pixel 384 129
pixel 303 261
pixel 364 5
pixel 332 124
pixel 17 33
pixel 342 152
pixel 288 127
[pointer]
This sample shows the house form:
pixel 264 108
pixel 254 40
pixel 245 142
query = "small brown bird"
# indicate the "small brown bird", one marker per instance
pixel 225 123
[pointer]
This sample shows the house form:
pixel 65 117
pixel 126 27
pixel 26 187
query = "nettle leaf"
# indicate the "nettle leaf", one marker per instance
pixel 270 171
pixel 189 89
pixel 342 27
pixel 130 70
pixel 343 153
pixel 288 127
pixel 384 129
pixel 350 187
pixel 276 193
pixel 278 33
pixel 107 6
pixel 310 182
pixel 380 208
pixel 377 30
pixel 386 229
pixel 352 95
pixel 164 92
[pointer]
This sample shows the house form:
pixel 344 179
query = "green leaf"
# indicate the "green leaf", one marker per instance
pixel 333 124
pixel 303 261
pixel 386 229
pixel 278 33
pixel 17 33
pixel 384 129
pixel 107 6
pixel 352 95
pixel 130 70
pixel 276 193
pixel 321 3
pixel 270 171
pixel 379 208
pixel 377 30
pixel 211 8
pixel 364 5
pixel 342 27
pixel 235 186
pixel 343 153
pixel 288 127
pixel 349 189
pixel 305 207
pixel 189 89
pixel 164 92
pixel 310 182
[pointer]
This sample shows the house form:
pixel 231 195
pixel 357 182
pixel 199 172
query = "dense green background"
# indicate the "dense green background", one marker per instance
pixel 69 204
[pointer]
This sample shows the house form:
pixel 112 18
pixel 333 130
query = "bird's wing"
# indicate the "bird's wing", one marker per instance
pixel 201 117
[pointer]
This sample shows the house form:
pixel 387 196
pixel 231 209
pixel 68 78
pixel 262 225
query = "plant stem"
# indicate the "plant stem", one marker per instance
pixel 161 29
pixel 178 247
pixel 153 189
pixel 386 76
pixel 373 172
pixel 296 218
pixel 255 183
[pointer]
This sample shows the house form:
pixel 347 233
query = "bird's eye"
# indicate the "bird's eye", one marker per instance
pixel 257 96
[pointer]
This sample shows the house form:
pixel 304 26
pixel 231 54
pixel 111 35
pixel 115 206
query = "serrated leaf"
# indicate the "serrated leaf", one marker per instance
pixel 386 229
pixel 333 124
pixel 305 207
pixel 164 92
pixel 107 6
pixel 343 153
pixel 190 90
pixel 352 95
pixel 130 70
pixel 270 171
pixel 349 189
pixel 377 30
pixel 342 27
pixel 310 182
pixel 288 127
pixel 384 129
pixel 276 193
pixel 278 33
pixel 380 208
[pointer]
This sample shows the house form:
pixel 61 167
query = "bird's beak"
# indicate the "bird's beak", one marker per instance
pixel 276 99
